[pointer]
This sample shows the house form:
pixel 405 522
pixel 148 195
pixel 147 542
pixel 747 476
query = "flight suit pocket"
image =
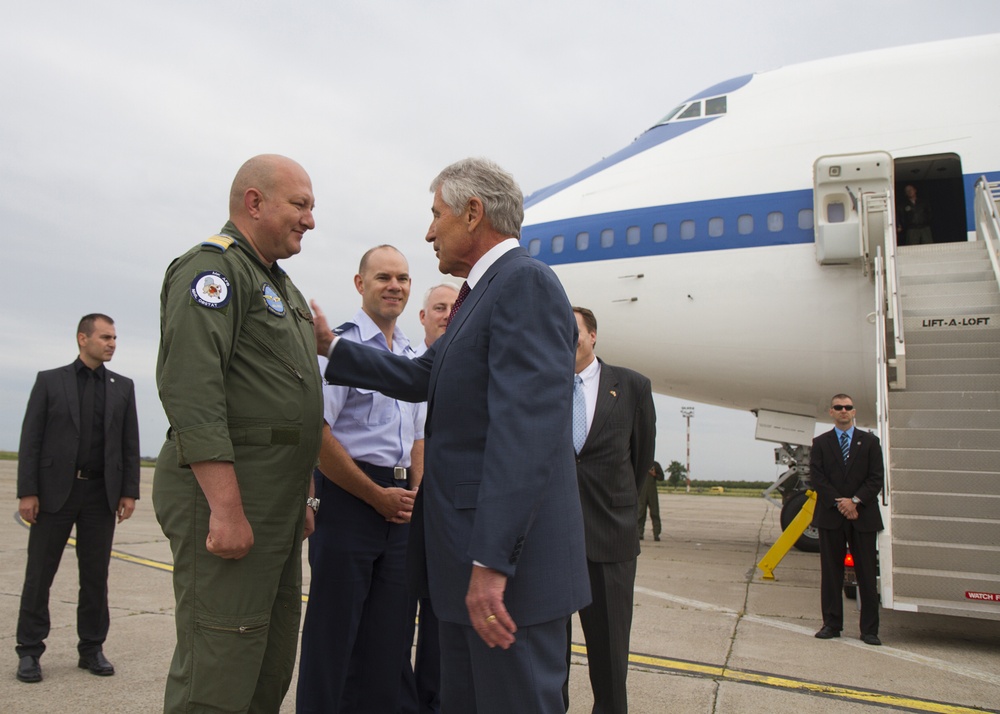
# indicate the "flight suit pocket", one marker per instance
pixel 228 652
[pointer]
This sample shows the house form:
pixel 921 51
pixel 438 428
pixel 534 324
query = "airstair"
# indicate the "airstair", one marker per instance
pixel 940 405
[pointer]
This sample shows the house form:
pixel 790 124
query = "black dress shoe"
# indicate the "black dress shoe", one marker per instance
pixel 29 670
pixel 826 633
pixel 97 663
pixel 871 639
pixel 656 537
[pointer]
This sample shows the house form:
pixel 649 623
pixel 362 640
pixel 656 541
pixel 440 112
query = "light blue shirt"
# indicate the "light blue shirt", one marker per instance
pixel 371 426
pixel 849 432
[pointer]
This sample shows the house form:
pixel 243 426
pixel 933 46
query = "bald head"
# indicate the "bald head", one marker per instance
pixel 271 203
pixel 261 173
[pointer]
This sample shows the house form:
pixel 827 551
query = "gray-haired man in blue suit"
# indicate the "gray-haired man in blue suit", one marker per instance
pixel 497 530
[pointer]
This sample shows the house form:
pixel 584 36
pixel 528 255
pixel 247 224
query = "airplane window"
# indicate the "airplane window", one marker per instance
pixel 715 227
pixel 582 240
pixel 835 212
pixel 534 245
pixel 717 105
pixel 674 112
pixel 558 243
pixel 806 219
pixel 607 238
pixel 632 235
pixel 659 232
pixel 687 230
pixel 775 221
pixel 744 224
pixel 692 111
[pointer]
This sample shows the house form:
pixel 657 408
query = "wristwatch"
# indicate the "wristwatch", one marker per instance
pixel 855 500
pixel 313 503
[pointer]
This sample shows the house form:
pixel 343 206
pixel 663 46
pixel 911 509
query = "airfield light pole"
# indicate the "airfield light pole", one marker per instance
pixel 687 413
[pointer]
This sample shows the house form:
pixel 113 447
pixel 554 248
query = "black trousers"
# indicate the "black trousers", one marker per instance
pixel 87 509
pixel 832 549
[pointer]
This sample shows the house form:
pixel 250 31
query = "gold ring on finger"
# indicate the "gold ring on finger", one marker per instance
pixel 490 619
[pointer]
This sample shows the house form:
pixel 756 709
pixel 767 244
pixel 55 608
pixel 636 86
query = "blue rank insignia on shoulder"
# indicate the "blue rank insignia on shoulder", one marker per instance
pixel 211 289
pixel 273 300
pixel 219 242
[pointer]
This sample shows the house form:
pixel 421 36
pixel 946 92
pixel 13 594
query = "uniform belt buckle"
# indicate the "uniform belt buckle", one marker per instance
pixel 399 473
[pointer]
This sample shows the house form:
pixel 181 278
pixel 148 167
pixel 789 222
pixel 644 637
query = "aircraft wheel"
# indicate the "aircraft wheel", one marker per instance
pixel 851 591
pixel 808 542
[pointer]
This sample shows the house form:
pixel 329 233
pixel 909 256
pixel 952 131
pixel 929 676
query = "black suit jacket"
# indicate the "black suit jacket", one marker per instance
pixel 46 465
pixel 862 476
pixel 611 467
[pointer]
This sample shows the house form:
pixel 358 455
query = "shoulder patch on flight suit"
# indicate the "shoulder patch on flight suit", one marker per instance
pixel 211 289
pixel 219 242
pixel 273 301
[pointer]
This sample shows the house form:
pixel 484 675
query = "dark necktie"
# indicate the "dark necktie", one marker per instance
pixel 86 418
pixel 462 294
pixel 845 446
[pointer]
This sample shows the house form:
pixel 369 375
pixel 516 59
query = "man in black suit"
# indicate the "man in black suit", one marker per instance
pixel 846 469
pixel 614 434
pixel 78 464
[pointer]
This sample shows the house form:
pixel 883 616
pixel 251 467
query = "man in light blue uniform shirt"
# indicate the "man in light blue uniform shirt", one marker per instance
pixel 354 640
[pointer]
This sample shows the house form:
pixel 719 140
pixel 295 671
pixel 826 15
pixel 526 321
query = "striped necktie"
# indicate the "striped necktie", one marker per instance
pixel 845 446
pixel 579 414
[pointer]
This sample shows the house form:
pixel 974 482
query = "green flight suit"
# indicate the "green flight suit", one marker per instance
pixel 239 382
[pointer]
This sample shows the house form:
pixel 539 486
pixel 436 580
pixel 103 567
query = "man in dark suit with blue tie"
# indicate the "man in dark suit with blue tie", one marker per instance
pixel 614 436
pixel 78 464
pixel 846 470
pixel 497 530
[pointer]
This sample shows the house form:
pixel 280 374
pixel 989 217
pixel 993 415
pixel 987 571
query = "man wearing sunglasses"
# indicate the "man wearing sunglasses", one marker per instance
pixel 846 470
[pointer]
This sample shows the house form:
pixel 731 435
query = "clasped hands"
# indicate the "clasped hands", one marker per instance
pixel 848 509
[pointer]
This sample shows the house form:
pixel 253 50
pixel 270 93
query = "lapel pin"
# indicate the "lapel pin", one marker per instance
pixel 614 393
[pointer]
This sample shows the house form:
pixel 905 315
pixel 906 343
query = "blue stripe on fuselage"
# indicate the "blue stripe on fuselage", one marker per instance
pixel 729 210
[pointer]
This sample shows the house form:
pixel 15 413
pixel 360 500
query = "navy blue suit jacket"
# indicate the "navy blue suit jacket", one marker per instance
pixel 499 470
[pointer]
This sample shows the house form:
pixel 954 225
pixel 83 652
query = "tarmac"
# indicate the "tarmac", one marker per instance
pixel 709 635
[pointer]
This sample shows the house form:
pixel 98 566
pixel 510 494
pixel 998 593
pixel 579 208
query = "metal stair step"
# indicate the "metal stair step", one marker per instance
pixel 951 350
pixel 911 398
pixel 945 459
pixel 931 481
pixel 934 556
pixel 909 419
pixel 918 333
pixel 953 382
pixel 945 505
pixel 954 365
pixel 967 303
pixel 976 287
pixel 967 608
pixel 946 438
pixel 938 530
pixel 947 587
pixel 935 251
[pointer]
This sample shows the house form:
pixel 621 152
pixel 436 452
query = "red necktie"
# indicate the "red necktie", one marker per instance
pixel 462 294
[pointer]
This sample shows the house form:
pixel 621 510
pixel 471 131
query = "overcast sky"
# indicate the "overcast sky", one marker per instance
pixel 123 124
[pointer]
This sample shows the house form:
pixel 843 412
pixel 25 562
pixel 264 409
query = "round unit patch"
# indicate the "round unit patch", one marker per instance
pixel 273 301
pixel 211 289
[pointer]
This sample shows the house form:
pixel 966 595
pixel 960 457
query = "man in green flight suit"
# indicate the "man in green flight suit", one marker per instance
pixel 239 383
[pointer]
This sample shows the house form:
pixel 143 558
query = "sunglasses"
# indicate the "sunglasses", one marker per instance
pixel 843 407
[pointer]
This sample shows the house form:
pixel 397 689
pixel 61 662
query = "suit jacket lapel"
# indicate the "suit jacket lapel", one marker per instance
pixel 473 298
pixel 607 397
pixel 72 394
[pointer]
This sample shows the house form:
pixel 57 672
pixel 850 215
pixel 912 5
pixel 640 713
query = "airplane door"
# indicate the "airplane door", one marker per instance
pixel 840 184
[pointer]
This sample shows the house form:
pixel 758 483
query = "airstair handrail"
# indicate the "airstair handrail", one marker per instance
pixel 987 221
pixel 887 280
pixel 882 362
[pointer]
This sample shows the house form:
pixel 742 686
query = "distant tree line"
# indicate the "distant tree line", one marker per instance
pixel 676 474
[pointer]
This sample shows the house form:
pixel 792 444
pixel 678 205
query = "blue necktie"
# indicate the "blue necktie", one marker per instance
pixel 579 414
pixel 845 446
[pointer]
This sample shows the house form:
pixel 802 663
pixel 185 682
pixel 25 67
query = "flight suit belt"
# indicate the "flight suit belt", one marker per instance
pixel 264 435
pixel 396 475
pixel 87 475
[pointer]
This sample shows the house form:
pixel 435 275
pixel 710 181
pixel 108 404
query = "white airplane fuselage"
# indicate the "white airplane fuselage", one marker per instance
pixel 695 245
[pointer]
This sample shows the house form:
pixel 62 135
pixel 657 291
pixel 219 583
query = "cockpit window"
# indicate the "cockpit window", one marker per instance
pixel 715 106
pixel 693 110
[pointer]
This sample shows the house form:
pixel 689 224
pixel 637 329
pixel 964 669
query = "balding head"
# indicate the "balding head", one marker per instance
pixel 271 203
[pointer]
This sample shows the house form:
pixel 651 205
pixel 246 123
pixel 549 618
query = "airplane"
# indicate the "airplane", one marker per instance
pixel 745 251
